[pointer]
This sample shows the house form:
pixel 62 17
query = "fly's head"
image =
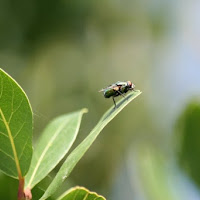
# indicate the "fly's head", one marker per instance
pixel 130 85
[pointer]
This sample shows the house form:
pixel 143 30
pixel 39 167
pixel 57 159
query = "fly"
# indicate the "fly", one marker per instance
pixel 117 89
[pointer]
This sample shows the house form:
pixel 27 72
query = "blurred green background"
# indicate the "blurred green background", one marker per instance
pixel 63 52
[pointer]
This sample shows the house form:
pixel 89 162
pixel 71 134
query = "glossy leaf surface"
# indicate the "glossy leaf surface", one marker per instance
pixel 15 128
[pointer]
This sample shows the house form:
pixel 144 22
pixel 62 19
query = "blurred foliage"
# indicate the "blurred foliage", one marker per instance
pixel 25 26
pixel 37 21
pixel 9 187
pixel 63 52
pixel 153 172
pixel 188 128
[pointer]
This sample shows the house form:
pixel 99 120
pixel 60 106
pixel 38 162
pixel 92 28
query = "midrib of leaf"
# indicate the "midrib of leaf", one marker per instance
pixel 12 144
pixel 44 152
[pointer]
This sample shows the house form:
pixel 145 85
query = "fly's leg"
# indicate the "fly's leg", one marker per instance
pixel 121 94
pixel 114 102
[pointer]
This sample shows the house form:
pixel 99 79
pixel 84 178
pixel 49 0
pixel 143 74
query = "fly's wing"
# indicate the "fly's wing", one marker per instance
pixel 101 90
pixel 120 83
pixel 113 86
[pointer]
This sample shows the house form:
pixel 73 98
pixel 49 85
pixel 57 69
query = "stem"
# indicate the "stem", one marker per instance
pixel 21 195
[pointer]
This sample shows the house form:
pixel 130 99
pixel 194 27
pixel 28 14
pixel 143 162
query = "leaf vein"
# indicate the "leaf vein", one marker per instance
pixel 1 86
pixel 2 133
pixel 23 148
pixel 12 102
pixel 19 130
pixel 86 196
pixel 12 144
pixel 7 154
pixel 9 169
pixel 14 111
pixel 74 198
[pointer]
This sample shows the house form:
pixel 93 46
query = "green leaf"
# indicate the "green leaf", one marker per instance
pixel 188 138
pixel 15 128
pixel 9 187
pixel 80 193
pixel 40 188
pixel 54 143
pixel 154 174
pixel 79 151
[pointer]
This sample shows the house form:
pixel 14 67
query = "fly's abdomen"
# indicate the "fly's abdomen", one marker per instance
pixel 109 93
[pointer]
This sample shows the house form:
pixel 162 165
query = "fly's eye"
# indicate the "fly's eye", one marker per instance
pixel 129 83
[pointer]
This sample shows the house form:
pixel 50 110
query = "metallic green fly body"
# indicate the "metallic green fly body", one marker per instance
pixel 117 89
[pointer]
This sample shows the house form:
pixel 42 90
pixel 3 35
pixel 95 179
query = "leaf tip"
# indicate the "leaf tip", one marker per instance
pixel 138 91
pixel 84 110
